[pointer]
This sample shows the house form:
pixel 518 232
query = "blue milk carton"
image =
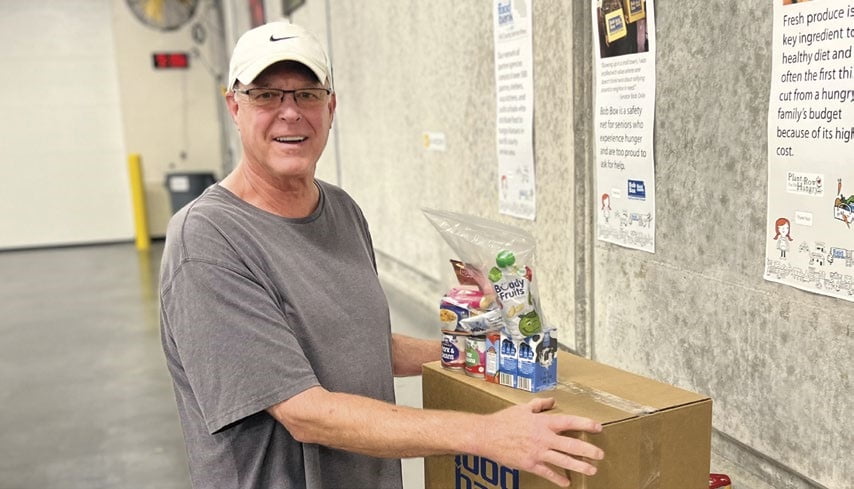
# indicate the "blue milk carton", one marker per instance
pixel 508 360
pixel 537 362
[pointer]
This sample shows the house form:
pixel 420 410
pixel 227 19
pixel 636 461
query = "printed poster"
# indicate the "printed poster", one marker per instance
pixel 810 226
pixel 624 115
pixel 514 85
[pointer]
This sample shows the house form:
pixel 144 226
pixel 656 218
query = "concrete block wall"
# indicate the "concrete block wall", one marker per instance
pixel 697 313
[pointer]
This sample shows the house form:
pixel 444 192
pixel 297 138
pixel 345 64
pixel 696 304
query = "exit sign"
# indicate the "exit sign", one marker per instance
pixel 170 60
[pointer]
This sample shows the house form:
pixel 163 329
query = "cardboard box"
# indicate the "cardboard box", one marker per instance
pixel 655 436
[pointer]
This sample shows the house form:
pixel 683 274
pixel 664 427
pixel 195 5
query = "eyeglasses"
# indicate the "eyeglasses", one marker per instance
pixel 269 98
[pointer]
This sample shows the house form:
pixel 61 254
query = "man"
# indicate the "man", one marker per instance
pixel 275 327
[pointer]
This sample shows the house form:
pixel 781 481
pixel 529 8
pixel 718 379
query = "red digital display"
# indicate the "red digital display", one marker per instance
pixel 171 60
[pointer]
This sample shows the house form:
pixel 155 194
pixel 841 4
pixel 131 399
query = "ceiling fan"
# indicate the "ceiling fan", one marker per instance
pixel 164 15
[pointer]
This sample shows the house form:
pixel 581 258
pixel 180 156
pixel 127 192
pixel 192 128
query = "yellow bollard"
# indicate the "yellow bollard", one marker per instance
pixel 137 190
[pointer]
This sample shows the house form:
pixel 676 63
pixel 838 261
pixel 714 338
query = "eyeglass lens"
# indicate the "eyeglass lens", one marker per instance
pixel 303 97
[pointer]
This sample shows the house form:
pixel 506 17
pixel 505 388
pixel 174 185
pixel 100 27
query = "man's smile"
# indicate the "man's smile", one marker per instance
pixel 290 139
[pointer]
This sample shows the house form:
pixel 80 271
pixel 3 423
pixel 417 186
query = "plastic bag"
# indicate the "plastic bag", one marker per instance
pixel 504 255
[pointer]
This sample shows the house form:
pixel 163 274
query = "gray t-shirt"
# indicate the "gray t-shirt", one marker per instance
pixel 256 308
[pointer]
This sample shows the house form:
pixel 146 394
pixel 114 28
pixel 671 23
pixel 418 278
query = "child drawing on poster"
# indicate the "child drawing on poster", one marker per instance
pixel 606 206
pixel 783 235
pixel 843 208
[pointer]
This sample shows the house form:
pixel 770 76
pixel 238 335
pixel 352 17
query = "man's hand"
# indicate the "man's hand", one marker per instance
pixel 524 437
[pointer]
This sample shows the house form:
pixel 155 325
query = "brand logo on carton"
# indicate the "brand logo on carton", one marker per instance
pixel 481 473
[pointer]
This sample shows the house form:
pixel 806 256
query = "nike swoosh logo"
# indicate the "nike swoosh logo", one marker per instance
pixel 274 38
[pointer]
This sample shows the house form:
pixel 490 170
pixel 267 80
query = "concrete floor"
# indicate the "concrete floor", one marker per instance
pixel 86 401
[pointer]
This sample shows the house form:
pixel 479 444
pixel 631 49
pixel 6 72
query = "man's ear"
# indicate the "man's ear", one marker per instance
pixel 332 104
pixel 233 108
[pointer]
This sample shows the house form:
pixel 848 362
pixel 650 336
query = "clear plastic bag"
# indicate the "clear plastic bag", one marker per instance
pixel 504 255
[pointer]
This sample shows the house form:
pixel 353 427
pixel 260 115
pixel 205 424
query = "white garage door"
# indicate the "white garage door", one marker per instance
pixel 63 177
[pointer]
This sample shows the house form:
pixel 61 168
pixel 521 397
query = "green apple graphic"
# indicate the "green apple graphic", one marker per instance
pixel 529 324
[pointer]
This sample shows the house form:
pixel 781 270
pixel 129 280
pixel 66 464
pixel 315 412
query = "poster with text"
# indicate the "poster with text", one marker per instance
pixel 514 92
pixel 810 226
pixel 623 119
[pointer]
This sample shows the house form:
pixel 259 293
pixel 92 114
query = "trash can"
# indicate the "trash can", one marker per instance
pixel 186 186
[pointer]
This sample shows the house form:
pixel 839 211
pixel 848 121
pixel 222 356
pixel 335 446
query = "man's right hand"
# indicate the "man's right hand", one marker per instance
pixel 526 438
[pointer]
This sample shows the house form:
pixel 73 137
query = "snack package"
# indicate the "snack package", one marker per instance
pixel 471 297
pixel 484 322
pixel 469 275
pixel 513 289
pixel 451 313
pixel 501 254
pixel 466 309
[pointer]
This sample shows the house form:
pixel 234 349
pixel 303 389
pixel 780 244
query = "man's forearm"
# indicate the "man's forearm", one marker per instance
pixel 409 354
pixel 371 427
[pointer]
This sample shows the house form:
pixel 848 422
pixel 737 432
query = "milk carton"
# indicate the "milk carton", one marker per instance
pixel 529 364
pixel 508 360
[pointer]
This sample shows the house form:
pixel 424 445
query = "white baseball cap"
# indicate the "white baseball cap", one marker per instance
pixel 270 43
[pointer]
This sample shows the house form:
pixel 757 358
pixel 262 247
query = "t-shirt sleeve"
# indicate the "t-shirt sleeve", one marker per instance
pixel 364 228
pixel 237 350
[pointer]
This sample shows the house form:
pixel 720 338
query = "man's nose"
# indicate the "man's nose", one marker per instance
pixel 288 109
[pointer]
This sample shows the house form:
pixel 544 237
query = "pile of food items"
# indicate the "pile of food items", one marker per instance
pixel 492 322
